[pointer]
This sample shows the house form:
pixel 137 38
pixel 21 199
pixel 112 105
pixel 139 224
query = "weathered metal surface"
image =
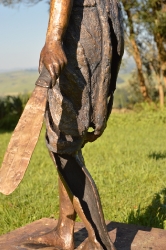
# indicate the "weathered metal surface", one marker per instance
pixel 24 137
pixel 83 49
pixel 125 237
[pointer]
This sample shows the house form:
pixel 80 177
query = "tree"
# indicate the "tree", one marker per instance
pixel 153 17
pixel 131 10
pixel 14 2
pixel 11 108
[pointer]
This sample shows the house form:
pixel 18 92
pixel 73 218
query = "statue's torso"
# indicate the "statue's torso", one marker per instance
pixel 73 101
pixel 84 3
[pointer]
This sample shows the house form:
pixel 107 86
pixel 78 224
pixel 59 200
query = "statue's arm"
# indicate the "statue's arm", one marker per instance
pixel 52 55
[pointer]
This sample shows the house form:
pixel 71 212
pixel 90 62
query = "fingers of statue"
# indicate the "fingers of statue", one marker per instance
pixel 40 66
pixel 54 60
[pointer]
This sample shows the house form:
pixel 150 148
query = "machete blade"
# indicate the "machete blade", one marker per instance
pixel 24 137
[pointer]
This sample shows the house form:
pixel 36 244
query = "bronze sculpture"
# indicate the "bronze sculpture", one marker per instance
pixel 84 46
pixel 83 51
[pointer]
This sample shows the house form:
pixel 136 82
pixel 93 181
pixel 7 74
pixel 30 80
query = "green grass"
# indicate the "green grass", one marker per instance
pixel 128 164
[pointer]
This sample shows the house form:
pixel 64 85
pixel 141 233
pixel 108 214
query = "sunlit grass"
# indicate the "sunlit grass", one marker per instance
pixel 128 164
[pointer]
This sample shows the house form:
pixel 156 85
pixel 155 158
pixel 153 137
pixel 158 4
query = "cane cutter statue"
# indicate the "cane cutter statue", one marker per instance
pixel 78 67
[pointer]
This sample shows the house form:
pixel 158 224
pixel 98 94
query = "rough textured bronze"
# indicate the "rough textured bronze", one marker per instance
pixel 83 49
pixel 82 52
pixel 24 137
pixel 125 237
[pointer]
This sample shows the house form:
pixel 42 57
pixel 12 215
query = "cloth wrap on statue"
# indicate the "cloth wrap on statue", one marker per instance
pixel 93 45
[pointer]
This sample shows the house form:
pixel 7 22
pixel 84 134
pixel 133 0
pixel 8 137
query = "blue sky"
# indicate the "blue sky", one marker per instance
pixel 22 35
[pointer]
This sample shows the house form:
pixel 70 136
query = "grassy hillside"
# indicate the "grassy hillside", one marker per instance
pixel 16 82
pixel 13 83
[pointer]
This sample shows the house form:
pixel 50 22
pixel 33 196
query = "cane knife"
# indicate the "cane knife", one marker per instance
pixel 25 136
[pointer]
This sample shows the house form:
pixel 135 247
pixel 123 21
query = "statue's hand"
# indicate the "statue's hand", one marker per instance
pixel 53 58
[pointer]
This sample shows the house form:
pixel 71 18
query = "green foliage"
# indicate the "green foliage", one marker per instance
pixel 134 93
pixel 127 164
pixel 11 108
pixel 129 95
pixel 121 98
pixel 145 25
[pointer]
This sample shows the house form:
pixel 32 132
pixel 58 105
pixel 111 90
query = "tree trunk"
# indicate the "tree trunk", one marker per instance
pixel 162 77
pixel 137 58
pixel 164 80
pixel 161 95
pixel 161 89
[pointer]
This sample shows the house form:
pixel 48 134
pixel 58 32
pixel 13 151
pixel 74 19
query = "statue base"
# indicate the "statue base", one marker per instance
pixel 124 236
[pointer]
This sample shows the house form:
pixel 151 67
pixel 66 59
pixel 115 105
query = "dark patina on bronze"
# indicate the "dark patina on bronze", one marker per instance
pixel 84 47
pixel 82 53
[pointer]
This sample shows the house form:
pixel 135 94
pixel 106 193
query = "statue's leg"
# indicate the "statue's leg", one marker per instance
pixel 86 200
pixel 61 237
pixel 67 216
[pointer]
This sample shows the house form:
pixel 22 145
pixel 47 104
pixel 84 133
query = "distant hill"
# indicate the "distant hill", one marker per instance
pixel 13 83
pixel 23 81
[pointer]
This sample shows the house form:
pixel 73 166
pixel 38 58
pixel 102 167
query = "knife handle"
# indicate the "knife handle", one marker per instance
pixel 44 79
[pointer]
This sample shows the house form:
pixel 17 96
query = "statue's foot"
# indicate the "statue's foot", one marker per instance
pixel 89 245
pixel 53 239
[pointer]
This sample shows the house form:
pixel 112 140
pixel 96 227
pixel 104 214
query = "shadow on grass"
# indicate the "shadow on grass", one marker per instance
pixel 154 215
pixel 157 155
